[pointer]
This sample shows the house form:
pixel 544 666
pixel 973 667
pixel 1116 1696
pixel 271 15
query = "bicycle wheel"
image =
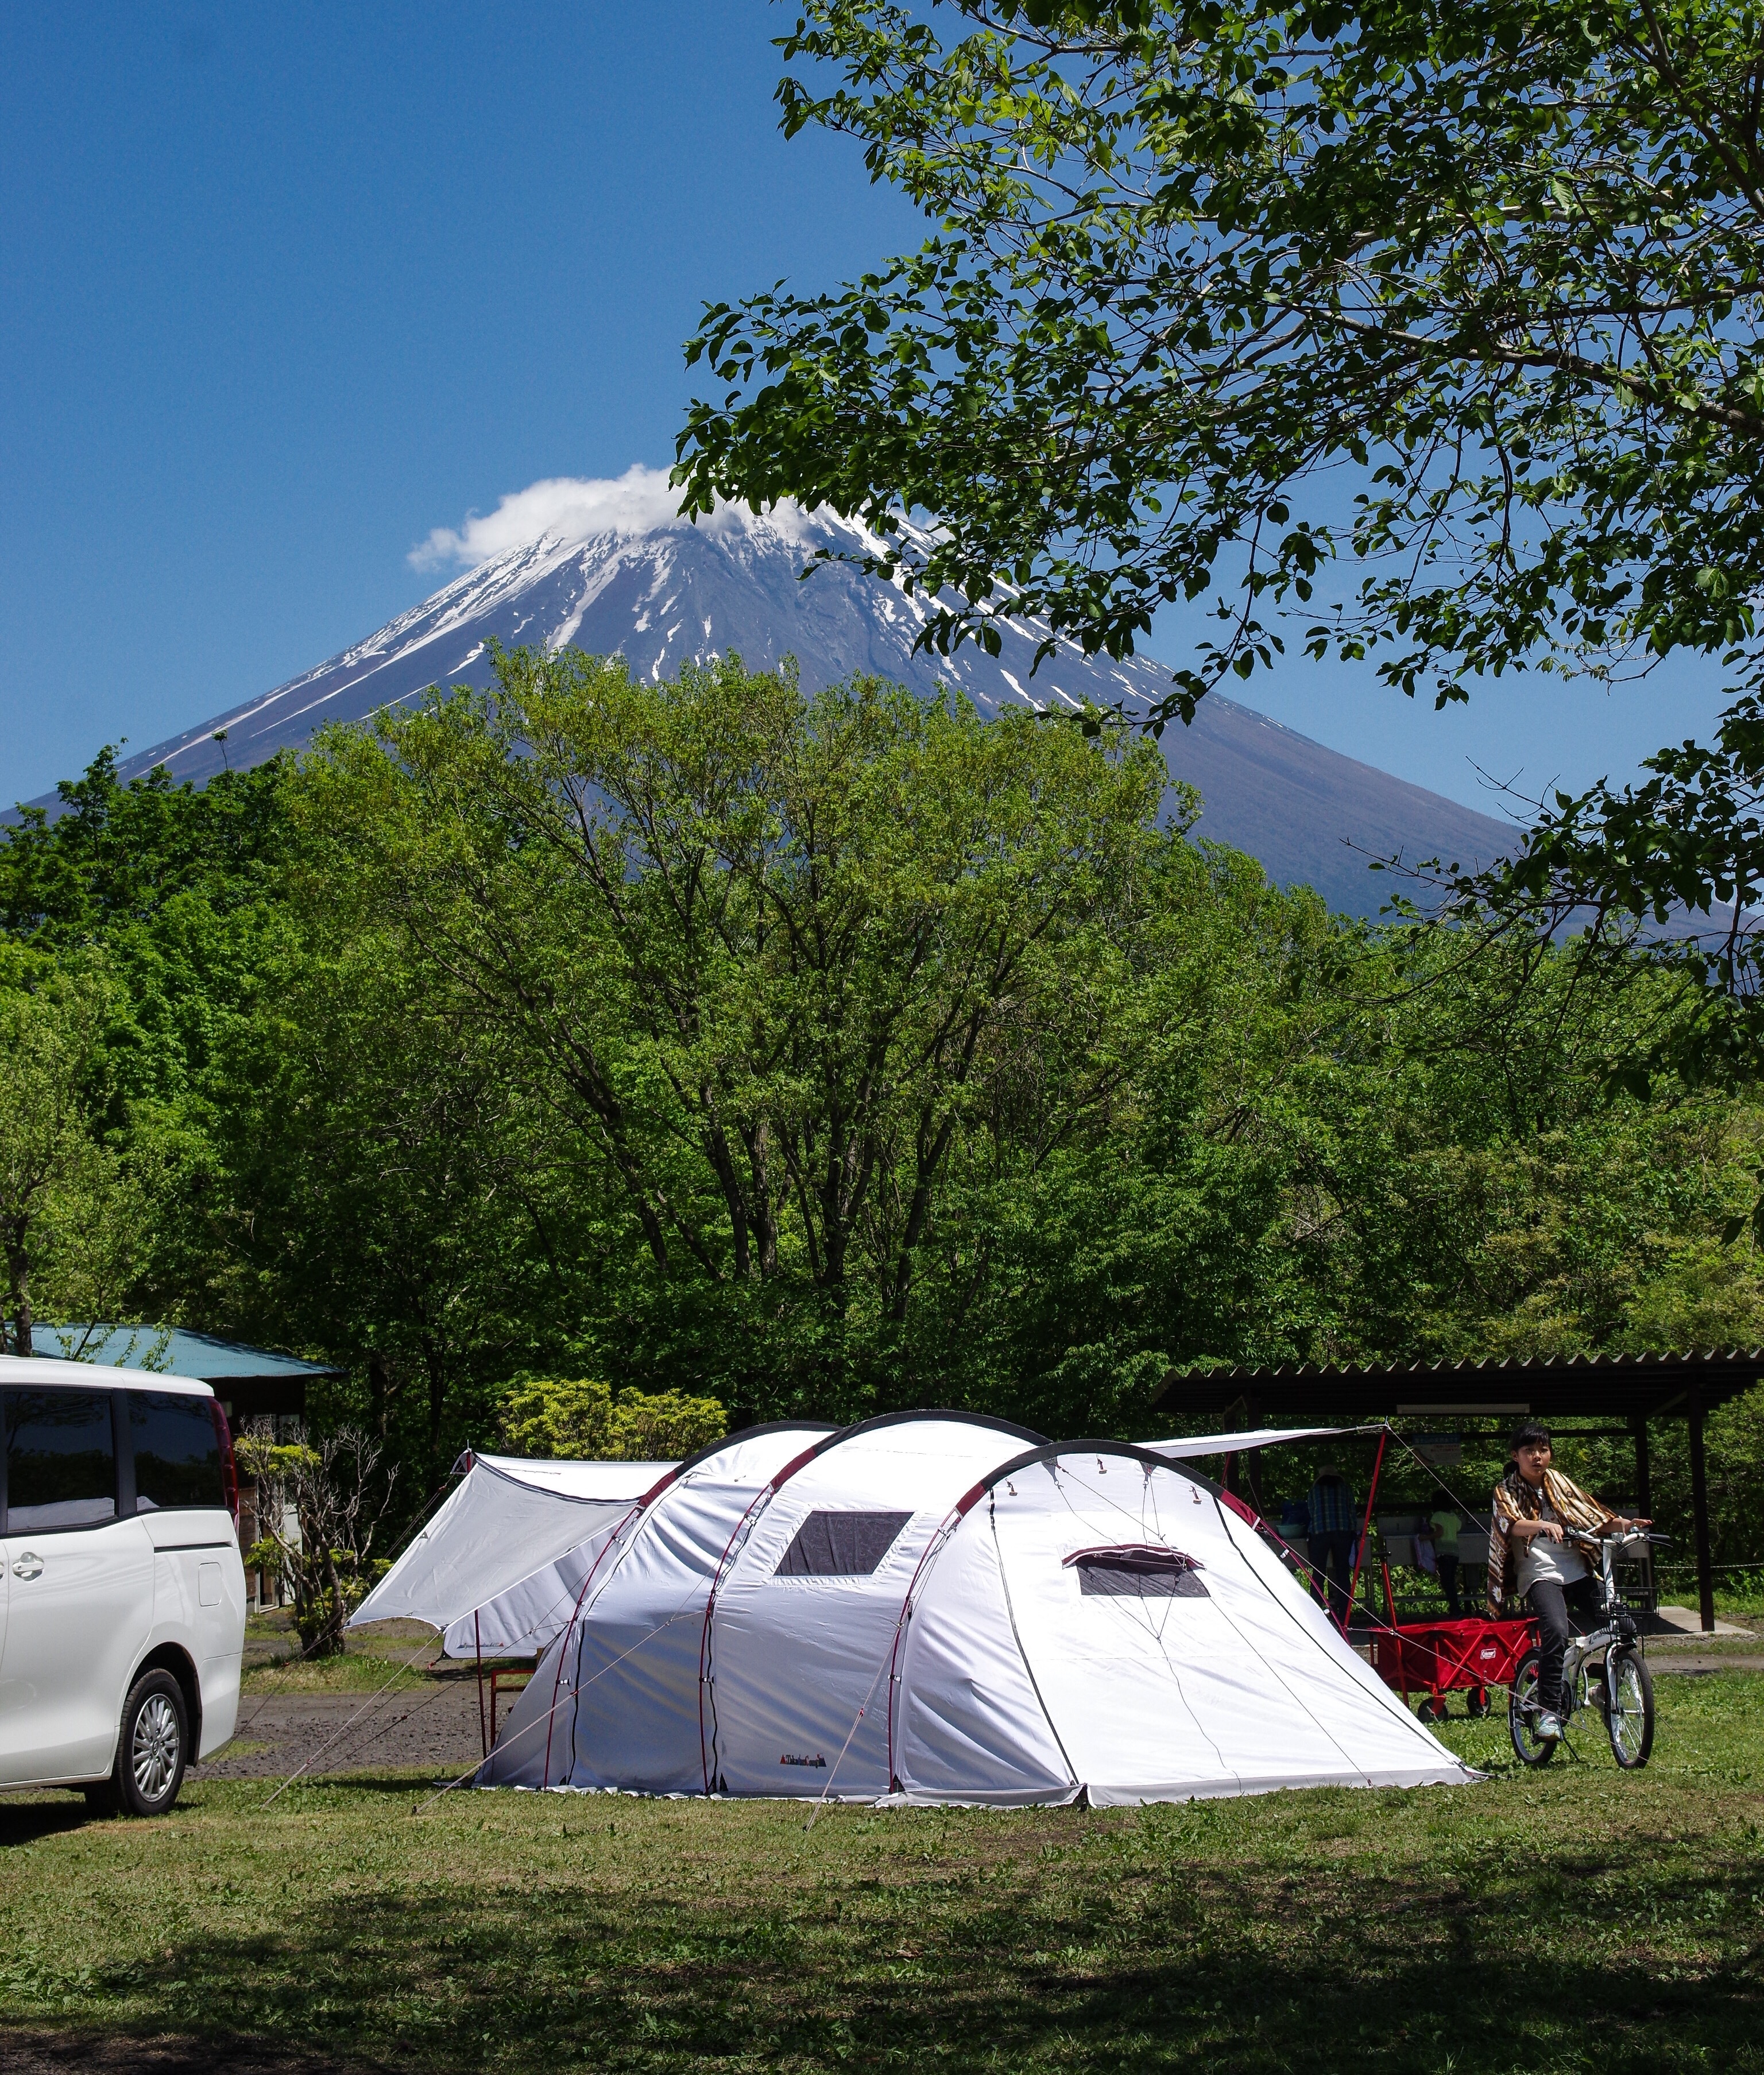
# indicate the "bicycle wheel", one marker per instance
pixel 1522 1713
pixel 1629 1716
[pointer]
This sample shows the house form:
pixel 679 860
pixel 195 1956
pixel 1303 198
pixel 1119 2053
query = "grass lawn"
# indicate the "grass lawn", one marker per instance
pixel 274 1664
pixel 1571 1919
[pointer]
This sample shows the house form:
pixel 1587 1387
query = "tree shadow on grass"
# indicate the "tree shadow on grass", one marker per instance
pixel 23 1822
pixel 1246 1973
pixel 27 2052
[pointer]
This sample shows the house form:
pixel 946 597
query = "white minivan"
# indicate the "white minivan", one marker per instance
pixel 121 1588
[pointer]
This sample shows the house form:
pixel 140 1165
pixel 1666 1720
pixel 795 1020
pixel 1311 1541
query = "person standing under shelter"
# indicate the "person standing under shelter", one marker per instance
pixel 1333 1528
pixel 1445 1524
pixel 1533 1506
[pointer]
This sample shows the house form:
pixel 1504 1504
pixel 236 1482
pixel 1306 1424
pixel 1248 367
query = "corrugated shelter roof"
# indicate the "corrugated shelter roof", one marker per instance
pixel 1650 1386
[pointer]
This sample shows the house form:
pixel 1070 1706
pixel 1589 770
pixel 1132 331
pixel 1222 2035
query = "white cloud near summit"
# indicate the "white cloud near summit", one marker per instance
pixel 572 507
pixel 567 508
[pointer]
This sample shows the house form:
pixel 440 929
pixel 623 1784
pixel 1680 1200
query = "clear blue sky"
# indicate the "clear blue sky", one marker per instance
pixel 282 289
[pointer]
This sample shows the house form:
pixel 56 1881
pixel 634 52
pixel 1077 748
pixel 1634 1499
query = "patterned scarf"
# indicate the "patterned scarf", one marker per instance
pixel 1516 1500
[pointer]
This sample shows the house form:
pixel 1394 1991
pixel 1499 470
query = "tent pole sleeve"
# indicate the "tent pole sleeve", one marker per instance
pixel 1365 1530
pixel 1700 1511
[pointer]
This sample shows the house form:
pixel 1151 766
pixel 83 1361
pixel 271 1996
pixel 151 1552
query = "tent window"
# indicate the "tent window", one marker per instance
pixel 841 1545
pixel 1136 1572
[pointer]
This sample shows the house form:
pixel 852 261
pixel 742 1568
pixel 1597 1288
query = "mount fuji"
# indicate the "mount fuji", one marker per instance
pixel 616 571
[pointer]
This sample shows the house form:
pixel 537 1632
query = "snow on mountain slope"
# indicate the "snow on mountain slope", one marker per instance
pixel 663 594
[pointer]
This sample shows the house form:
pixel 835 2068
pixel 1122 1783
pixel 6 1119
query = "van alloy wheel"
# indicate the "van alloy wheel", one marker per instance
pixel 152 1750
pixel 155 1747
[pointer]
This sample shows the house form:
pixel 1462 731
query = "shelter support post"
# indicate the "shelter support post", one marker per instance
pixel 1644 1480
pixel 1700 1515
pixel 1252 1457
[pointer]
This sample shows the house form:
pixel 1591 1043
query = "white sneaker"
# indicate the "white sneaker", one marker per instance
pixel 1550 1729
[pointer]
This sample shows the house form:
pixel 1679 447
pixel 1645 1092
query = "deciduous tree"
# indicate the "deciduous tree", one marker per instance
pixel 1466 292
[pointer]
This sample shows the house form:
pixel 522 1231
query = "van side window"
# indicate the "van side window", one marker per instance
pixel 61 1459
pixel 177 1452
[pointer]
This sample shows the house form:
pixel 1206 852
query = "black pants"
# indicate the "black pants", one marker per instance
pixel 1448 1583
pixel 1561 1610
pixel 1334 1554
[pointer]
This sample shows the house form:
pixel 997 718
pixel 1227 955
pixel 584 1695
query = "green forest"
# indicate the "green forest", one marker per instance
pixel 822 1054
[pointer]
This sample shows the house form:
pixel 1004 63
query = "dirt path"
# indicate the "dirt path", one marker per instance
pixel 1698 1664
pixel 433 1722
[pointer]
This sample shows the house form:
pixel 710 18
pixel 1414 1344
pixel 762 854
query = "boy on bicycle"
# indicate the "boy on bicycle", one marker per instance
pixel 1534 1505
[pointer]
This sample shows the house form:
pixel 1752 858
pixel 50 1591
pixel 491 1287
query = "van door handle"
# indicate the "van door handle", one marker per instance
pixel 28 1566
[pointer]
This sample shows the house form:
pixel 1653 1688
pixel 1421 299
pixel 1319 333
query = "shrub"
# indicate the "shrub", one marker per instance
pixel 589 1420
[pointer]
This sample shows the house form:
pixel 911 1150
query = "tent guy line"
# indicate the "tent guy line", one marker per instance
pixel 409 1665
pixel 1155 1634
pixel 516 1735
pixel 371 1702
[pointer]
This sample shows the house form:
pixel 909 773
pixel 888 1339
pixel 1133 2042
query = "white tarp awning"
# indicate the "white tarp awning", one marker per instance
pixel 1186 1447
pixel 574 1478
pixel 508 1526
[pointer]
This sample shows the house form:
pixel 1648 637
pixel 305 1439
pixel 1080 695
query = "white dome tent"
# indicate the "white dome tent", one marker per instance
pixel 936 1608
pixel 1097 1622
pixel 806 1614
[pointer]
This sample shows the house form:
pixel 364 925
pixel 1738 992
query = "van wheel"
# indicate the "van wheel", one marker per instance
pixel 151 1751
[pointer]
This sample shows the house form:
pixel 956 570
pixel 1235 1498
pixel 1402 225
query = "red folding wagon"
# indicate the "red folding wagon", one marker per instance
pixel 1433 1658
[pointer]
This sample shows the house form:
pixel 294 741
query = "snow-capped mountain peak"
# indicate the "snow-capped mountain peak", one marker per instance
pixel 611 568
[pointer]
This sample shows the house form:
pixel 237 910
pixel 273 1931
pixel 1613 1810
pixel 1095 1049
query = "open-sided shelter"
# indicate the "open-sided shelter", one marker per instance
pixel 1604 1395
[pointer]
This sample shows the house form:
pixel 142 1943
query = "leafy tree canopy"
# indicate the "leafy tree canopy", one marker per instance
pixel 395 1081
pixel 117 853
pixel 1466 294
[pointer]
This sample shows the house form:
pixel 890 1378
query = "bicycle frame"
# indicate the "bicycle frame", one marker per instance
pixel 1619 1629
pixel 1615 1642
